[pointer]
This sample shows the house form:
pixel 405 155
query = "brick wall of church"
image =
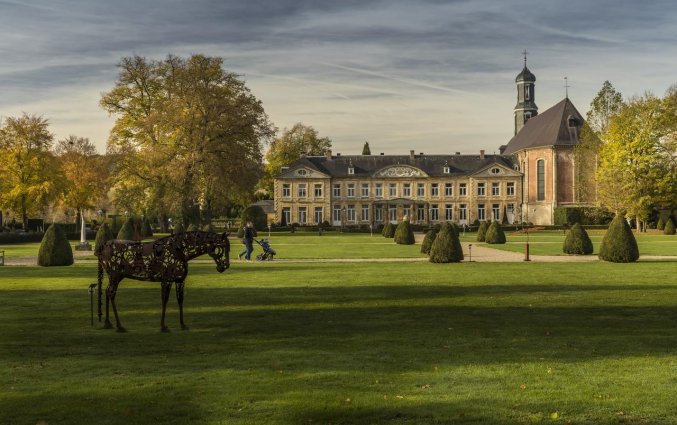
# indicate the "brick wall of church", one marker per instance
pixel 565 176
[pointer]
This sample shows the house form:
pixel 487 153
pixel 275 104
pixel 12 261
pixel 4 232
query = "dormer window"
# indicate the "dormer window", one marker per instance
pixel 572 122
pixel 302 172
pixel 495 170
pixel 351 171
pixel 447 170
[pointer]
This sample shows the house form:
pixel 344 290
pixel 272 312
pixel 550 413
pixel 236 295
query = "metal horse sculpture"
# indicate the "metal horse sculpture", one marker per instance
pixel 164 260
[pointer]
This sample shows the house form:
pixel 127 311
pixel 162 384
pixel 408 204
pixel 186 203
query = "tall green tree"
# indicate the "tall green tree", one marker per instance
pixel 607 103
pixel 289 147
pixel 30 178
pixel 365 149
pixel 187 133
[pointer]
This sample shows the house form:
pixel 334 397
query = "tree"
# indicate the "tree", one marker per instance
pixel 428 240
pixel 256 215
pixel 187 133
pixel 619 244
pixel 495 234
pixel 446 247
pixel 669 227
pixel 404 234
pixel 30 179
pixel 607 103
pixel 54 248
pixel 482 231
pixel 289 147
pixel 365 149
pixel 103 235
pixel 577 241
pixel 146 229
pixel 389 230
pixel 127 232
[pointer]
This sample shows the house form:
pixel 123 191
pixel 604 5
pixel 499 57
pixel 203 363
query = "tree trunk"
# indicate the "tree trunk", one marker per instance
pixel 162 222
pixel 24 214
pixel 638 223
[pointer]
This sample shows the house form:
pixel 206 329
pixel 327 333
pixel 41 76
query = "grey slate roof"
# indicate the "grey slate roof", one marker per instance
pixel 549 128
pixel 525 75
pixel 433 165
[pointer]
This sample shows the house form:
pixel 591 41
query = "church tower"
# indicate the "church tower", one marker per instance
pixel 526 104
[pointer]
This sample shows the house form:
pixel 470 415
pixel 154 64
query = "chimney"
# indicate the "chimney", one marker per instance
pixel 458 153
pixel 382 153
pixel 338 154
pixel 412 155
pixel 481 153
pixel 421 153
pixel 329 154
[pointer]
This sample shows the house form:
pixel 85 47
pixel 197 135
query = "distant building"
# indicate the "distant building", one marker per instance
pixel 534 174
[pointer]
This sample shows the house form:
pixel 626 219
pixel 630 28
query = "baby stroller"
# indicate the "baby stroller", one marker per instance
pixel 267 253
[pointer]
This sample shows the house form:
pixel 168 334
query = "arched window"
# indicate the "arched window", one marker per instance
pixel 540 180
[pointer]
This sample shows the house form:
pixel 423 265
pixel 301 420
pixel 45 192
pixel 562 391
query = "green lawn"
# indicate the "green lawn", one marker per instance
pixel 348 343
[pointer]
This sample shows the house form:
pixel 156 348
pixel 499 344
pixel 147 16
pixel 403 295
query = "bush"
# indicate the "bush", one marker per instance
pixel 403 234
pixel 582 215
pixel 179 227
pixel 256 215
pixel 146 229
pixel 389 230
pixel 577 241
pixel 619 244
pixel 495 234
pixel 669 227
pixel 192 228
pixel 428 240
pixel 103 235
pixel 55 249
pixel 127 230
pixel 446 247
pixel 208 228
pixel 482 231
pixel 661 223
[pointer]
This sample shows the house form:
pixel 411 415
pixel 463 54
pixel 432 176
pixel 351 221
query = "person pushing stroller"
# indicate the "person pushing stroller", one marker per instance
pixel 249 233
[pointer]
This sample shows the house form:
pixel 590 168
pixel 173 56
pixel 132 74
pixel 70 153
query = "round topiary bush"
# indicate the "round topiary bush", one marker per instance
pixel 103 235
pixel 446 247
pixel 428 240
pixel 577 241
pixel 619 244
pixel 146 229
pixel 495 234
pixel 179 227
pixel 482 231
pixel 661 223
pixel 127 230
pixel 389 231
pixel 54 248
pixel 256 215
pixel 669 227
pixel 403 234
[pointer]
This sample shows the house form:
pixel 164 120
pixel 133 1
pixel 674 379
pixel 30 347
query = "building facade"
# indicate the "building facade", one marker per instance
pixel 534 174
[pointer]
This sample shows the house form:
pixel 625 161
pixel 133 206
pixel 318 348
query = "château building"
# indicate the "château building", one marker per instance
pixel 534 173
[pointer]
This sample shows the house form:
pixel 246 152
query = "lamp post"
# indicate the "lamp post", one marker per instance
pixel 343 219
pixel 470 252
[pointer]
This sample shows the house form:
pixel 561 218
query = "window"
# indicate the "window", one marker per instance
pixel 392 190
pixel 540 180
pixel 462 212
pixel 286 190
pixel 336 213
pixel 495 170
pixel 392 213
pixel 407 211
pixel 337 191
pixel 351 171
pixel 351 190
pixel 448 212
pixel 364 190
pixel 302 215
pixel 480 212
pixel 510 188
pixel 510 211
pixel 434 213
pixel 420 189
pixel 495 189
pixel 301 172
pixel 527 92
pixel 318 190
pixel 447 170
pixel 420 213
pixel 378 213
pixel 448 189
pixel 495 212
pixel 463 189
pixel 302 190
pixel 527 115
pixel 434 189
pixel 480 189
pixel 365 212
pixel 318 215
pixel 286 216
pixel 406 190
pixel 379 190
pixel 351 212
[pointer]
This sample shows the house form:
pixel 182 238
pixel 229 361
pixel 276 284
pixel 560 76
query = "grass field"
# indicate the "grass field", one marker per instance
pixel 348 343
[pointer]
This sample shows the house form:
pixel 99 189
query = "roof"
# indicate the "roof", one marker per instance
pixel 549 128
pixel 432 165
pixel 525 75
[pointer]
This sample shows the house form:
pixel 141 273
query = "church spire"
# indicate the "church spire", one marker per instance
pixel 526 105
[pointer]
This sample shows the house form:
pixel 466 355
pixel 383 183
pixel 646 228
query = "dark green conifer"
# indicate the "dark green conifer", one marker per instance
pixel 103 235
pixel 179 227
pixel 669 227
pixel 577 241
pixel 428 240
pixel 389 230
pixel 619 244
pixel 446 247
pixel 127 230
pixel 495 234
pixel 54 248
pixel 482 231
pixel 403 234
pixel 661 223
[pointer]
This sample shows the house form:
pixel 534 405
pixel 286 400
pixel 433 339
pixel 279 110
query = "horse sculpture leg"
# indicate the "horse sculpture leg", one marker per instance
pixel 166 289
pixel 179 298
pixel 110 296
pixel 112 286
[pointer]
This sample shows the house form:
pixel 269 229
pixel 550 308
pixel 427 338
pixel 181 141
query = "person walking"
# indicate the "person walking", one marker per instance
pixel 248 241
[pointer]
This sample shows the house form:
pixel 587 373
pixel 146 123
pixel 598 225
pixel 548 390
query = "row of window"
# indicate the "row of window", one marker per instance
pixel 406 189
pixel 365 210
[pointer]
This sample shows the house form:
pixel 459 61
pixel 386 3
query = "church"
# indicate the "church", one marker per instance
pixel 535 172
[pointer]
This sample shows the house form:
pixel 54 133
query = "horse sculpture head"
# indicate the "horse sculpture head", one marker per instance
pixel 220 251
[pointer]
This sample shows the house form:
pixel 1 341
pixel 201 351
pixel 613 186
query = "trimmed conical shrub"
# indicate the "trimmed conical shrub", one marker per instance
pixel 669 227
pixel 482 231
pixel 54 248
pixel 619 244
pixel 127 230
pixel 146 229
pixel 577 241
pixel 103 235
pixel 389 231
pixel 428 240
pixel 495 234
pixel 179 228
pixel 446 247
pixel 661 223
pixel 403 234
pixel 192 228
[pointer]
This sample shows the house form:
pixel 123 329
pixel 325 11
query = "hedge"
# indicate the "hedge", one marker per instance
pixel 669 227
pixel 127 230
pixel 55 249
pixel 446 247
pixel 619 244
pixel 256 215
pixel 582 215
pixel 577 241
pixel 428 240
pixel 403 234
pixel 495 234
pixel 389 230
pixel 482 231
pixel 102 236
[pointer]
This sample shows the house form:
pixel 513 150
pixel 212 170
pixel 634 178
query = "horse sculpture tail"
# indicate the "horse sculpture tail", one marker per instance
pixel 99 290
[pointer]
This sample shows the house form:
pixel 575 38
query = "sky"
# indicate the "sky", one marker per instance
pixel 427 75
